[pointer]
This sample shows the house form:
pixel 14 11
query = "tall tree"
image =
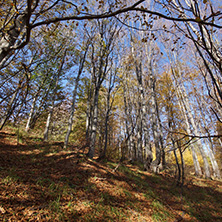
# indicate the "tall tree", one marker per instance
pixel 100 60
pixel 82 59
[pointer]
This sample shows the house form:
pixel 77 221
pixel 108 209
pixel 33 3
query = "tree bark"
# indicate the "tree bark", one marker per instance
pixel 185 101
pixel 94 124
pixel 11 105
pixel 71 116
pixel 51 109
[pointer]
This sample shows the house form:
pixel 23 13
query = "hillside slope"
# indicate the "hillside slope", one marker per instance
pixel 41 182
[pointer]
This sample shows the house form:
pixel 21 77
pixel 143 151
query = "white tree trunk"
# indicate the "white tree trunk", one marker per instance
pixel 198 171
pixel 31 114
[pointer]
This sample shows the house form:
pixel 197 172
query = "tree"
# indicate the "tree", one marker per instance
pixel 100 60
pixel 82 59
pixel 203 37
pixel 111 81
pixel 54 92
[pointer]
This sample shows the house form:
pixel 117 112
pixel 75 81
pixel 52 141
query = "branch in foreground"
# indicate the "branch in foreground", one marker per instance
pixel 196 136
pixel 121 11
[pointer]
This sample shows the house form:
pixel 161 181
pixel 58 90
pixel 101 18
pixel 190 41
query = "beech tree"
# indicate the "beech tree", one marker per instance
pixel 100 59
pixel 82 59
pixel 54 92
pixel 110 96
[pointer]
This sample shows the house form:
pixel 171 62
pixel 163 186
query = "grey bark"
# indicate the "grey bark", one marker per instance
pixel 109 103
pixel 31 111
pixel 94 123
pixel 71 116
pixel 203 107
pixel 155 164
pixel 15 37
pixel 142 129
pixel 34 110
pixel 100 69
pixel 195 130
pixel 11 105
pixel 9 39
pixel 198 171
pixel 179 95
pixel 89 112
pixel 187 111
pixel 129 127
pixel 51 108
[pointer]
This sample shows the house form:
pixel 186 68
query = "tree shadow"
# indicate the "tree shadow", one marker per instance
pixel 44 183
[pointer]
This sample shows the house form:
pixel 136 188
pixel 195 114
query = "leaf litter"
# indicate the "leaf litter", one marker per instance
pixel 41 182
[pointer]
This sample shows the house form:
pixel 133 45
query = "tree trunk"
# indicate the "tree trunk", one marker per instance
pixel 9 39
pixel 71 116
pixel 198 171
pixel 106 125
pixel 185 101
pixel 51 109
pixel 94 124
pixel 11 107
pixel 128 121
pixel 31 113
pixel 155 164
pixel 89 113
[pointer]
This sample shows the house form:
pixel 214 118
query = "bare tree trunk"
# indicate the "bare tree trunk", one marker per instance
pixel 174 148
pixel 31 113
pixel 108 109
pixel 100 61
pixel 139 134
pixel 128 120
pixel 71 116
pixel 94 124
pixel 185 101
pixel 206 164
pixel 182 163
pixel 180 97
pixel 178 167
pixel 198 171
pixel 11 107
pixel 89 112
pixel 51 109
pixel 215 167
pixel 9 40
pixel 155 164
pixel 110 85
pixel 203 106
pixel 160 130
pixel 106 128
pixel 213 161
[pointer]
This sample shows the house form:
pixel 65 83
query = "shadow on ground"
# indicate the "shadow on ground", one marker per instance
pixel 42 182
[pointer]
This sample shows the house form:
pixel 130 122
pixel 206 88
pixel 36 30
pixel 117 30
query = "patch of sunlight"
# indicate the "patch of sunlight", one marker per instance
pixel 30 152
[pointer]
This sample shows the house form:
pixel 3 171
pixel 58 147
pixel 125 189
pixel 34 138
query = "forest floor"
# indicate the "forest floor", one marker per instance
pixel 41 182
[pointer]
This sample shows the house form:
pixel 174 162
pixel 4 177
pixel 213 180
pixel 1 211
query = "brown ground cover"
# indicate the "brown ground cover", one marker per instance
pixel 42 182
